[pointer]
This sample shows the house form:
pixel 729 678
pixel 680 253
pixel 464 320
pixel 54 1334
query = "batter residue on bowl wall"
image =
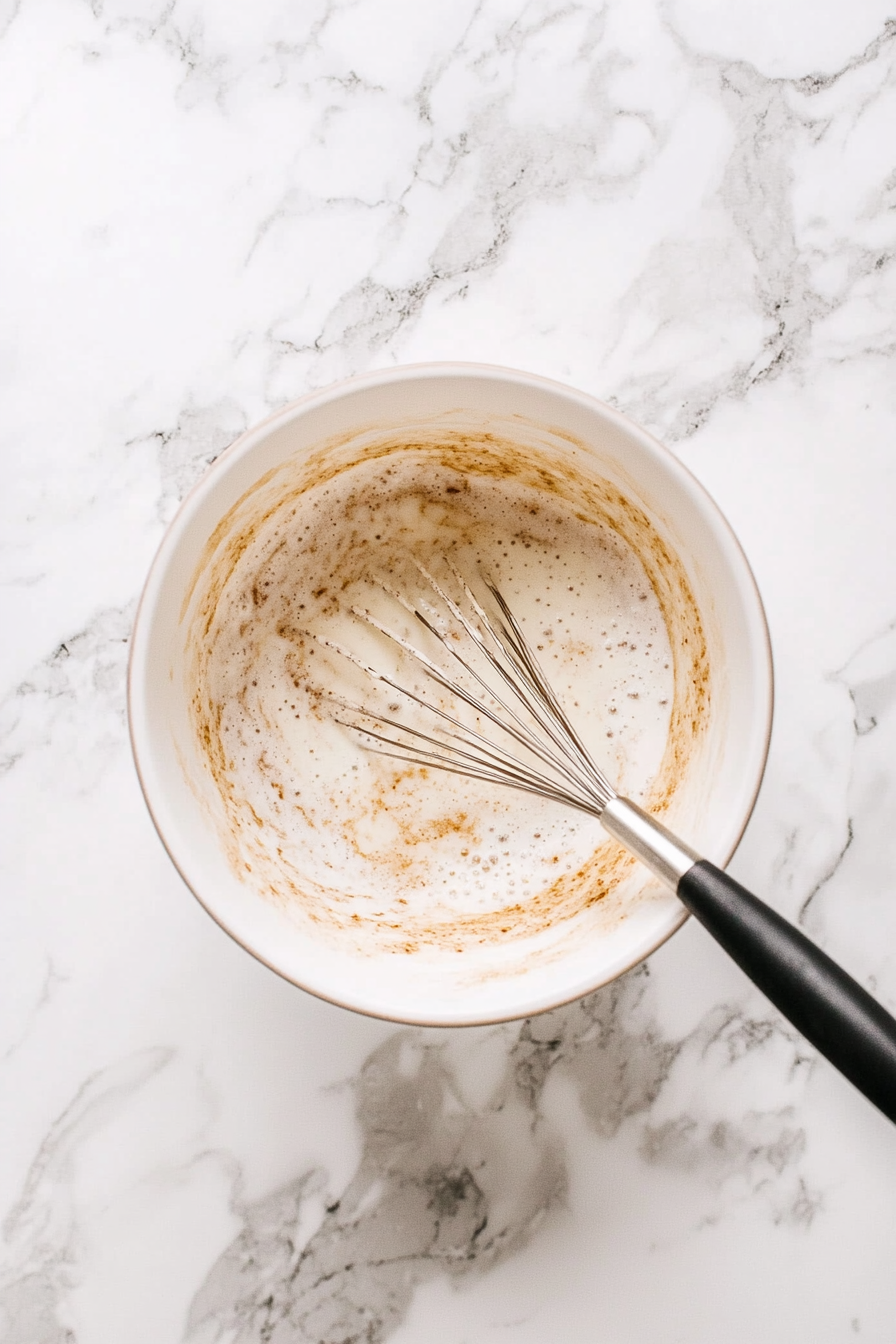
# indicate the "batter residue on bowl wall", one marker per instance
pixel 382 855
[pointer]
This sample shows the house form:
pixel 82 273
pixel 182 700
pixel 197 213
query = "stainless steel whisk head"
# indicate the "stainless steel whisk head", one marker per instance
pixel 517 700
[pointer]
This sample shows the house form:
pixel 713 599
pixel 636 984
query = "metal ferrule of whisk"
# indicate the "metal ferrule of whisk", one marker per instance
pixel 667 857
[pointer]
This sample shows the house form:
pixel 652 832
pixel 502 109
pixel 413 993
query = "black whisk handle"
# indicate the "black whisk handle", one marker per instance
pixel 825 1004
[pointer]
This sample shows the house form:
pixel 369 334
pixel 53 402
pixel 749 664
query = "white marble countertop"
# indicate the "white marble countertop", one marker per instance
pixel 685 207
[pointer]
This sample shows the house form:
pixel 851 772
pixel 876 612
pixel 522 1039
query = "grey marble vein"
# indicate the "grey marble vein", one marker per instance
pixel 40 1232
pixel 444 1187
pixel 83 679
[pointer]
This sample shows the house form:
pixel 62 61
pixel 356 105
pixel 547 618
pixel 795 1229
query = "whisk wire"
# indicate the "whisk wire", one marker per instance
pixel 573 777
pixel 517 728
pixel 524 781
pixel 534 694
pixel 529 666
pixel 505 760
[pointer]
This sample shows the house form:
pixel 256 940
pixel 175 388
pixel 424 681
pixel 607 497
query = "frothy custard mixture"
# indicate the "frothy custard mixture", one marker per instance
pixel 398 857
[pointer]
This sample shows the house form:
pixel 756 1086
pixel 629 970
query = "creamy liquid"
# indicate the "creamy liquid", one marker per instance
pixel 397 856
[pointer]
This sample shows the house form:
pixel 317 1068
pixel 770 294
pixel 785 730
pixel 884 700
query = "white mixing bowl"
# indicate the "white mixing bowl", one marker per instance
pixel 719 782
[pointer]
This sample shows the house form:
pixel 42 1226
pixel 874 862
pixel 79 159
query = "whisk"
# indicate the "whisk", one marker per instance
pixel 530 744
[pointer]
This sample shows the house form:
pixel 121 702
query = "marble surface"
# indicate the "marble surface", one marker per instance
pixel 685 207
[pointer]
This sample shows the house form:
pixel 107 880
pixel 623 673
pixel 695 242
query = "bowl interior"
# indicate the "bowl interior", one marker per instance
pixel 718 784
